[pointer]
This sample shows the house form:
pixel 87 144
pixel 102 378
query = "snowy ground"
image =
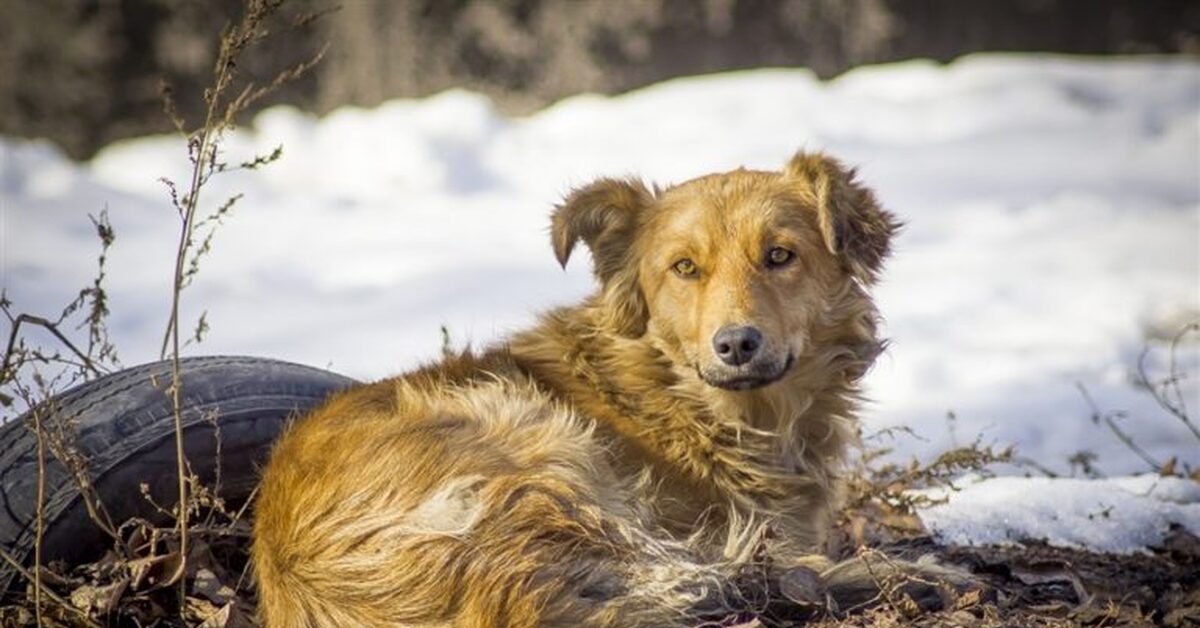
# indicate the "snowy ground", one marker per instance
pixel 1053 210
pixel 1118 515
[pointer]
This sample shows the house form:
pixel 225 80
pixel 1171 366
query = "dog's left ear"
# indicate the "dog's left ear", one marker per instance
pixel 854 226
pixel 604 214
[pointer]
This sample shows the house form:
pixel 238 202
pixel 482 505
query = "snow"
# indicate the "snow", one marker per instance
pixel 1053 210
pixel 1119 515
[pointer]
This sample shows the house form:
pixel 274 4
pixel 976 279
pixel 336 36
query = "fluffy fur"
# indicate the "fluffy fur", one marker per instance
pixel 605 467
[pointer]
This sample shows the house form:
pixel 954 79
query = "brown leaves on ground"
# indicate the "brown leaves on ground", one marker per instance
pixel 1032 584
pixel 137 584
pixel 1029 585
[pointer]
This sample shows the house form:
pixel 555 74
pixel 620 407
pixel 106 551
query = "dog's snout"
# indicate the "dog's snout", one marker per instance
pixel 737 345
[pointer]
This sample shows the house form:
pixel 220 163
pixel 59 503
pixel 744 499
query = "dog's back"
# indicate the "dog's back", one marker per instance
pixel 470 502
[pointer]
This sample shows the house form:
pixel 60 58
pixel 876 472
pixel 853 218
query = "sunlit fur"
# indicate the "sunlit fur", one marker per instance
pixel 589 472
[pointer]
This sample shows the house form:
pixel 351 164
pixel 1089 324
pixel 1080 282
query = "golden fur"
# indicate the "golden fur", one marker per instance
pixel 604 467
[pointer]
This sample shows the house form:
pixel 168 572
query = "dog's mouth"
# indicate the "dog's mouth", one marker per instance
pixel 759 375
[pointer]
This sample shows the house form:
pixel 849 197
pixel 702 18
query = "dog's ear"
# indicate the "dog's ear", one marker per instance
pixel 604 214
pixel 853 225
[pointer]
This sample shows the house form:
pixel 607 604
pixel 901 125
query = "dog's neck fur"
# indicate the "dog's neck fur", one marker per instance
pixel 765 450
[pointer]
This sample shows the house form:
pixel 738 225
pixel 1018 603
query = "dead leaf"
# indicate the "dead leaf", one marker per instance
pixel 1168 468
pixel 155 572
pixel 969 599
pixel 52 578
pixel 138 536
pixel 907 606
pixel 1183 616
pixel 98 600
pixel 208 585
pixel 200 557
pixel 201 610
pixel 210 616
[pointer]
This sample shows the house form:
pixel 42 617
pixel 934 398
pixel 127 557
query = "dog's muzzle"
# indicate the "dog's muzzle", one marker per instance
pixel 750 375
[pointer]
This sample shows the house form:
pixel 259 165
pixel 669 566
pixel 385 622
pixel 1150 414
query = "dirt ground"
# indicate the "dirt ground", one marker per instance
pixel 1040 585
pixel 1026 585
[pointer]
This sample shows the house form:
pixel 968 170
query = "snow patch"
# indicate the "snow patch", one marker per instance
pixel 1118 515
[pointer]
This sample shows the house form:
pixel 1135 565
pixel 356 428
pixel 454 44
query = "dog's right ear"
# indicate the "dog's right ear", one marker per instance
pixel 604 214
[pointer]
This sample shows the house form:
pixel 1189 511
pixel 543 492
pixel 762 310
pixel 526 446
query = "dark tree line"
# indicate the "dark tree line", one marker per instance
pixel 86 72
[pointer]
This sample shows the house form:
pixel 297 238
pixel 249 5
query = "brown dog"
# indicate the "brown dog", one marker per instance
pixel 623 461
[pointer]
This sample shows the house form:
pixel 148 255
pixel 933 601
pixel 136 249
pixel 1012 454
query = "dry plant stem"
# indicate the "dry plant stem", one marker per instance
pixel 211 417
pixel 242 511
pixel 176 384
pixel 219 117
pixel 1124 437
pixel 49 326
pixel 1164 389
pixel 207 135
pixel 1035 465
pixel 41 516
pixel 54 597
pixel 61 448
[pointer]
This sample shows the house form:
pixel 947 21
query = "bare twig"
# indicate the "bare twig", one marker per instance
pixel 220 115
pixel 882 498
pixel 249 500
pixel 211 416
pixel 40 516
pixel 57 431
pixel 99 348
pixel 1169 387
pixel 1109 420
pixel 50 326
pixel 54 597
pixel 1024 461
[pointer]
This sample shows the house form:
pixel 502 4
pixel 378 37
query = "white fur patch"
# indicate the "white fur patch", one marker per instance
pixel 452 509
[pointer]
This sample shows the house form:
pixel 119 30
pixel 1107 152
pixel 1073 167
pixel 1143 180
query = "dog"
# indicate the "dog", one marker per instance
pixel 629 460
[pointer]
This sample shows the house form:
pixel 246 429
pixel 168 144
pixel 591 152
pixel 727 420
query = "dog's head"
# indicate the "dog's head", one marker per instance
pixel 730 273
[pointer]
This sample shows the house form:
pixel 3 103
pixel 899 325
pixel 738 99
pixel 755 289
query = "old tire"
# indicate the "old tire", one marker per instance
pixel 125 430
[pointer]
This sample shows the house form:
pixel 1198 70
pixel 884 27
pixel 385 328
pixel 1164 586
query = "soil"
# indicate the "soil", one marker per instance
pixel 1031 584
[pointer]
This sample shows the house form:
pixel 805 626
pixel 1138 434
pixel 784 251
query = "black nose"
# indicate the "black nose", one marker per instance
pixel 737 345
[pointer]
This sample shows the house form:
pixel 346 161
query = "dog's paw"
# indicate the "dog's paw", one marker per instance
pixel 911 587
pixel 803 586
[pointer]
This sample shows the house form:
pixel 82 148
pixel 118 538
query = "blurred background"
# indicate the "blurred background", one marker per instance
pixel 86 72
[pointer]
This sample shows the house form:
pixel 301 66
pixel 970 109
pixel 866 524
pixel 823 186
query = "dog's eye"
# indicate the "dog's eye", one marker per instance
pixel 778 256
pixel 685 268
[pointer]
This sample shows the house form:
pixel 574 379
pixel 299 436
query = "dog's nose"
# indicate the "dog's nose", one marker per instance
pixel 737 345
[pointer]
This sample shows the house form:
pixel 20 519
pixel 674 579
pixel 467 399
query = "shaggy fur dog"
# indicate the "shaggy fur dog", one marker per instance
pixel 622 462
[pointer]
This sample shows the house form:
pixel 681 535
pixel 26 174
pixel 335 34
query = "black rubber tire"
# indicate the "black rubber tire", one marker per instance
pixel 125 429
